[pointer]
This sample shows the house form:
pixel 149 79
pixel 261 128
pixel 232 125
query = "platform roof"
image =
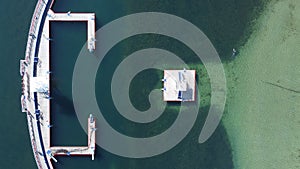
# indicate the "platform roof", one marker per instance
pixel 179 85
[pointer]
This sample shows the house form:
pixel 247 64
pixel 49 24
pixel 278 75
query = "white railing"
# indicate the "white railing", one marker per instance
pixel 29 54
pixel 33 30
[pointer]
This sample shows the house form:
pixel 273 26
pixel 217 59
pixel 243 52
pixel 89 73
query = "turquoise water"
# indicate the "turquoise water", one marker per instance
pixel 225 24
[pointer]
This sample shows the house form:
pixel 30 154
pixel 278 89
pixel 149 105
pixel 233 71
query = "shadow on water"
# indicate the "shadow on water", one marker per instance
pixel 215 153
pixel 65 104
pixel 66 129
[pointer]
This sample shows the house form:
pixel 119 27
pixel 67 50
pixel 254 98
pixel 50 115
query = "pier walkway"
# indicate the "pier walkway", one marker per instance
pixel 35 72
pixel 79 150
pixel 77 17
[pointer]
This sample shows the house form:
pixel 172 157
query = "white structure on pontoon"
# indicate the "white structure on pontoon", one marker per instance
pixel 179 85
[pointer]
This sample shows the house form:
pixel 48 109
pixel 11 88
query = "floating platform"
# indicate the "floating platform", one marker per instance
pixel 179 85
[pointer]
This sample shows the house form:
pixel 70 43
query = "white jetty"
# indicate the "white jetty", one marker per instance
pixel 77 17
pixel 35 72
pixel 79 150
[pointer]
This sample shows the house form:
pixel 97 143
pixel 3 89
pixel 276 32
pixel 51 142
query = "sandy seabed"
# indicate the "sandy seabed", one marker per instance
pixel 263 110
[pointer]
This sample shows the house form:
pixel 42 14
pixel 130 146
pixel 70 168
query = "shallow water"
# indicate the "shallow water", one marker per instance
pixel 264 99
pixel 226 27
